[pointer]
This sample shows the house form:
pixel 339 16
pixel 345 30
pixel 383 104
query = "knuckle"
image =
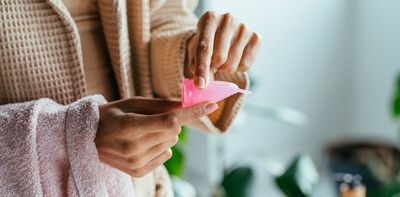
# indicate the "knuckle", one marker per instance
pixel 168 154
pixel 234 22
pixel 129 148
pixel 176 130
pixel 134 147
pixel 228 16
pixel 219 58
pixel 203 47
pixel 171 121
pixel 175 140
pixel 132 174
pixel 229 68
pixel 200 70
pixel 134 162
pixel 138 173
pixel 256 37
pixel 244 28
pixel 172 142
pixel 198 112
pixel 233 68
pixel 244 67
pixel 125 148
pixel 210 15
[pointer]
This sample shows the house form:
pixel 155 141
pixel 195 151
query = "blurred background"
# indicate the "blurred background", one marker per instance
pixel 325 79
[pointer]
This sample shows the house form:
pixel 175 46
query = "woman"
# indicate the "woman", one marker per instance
pixel 126 52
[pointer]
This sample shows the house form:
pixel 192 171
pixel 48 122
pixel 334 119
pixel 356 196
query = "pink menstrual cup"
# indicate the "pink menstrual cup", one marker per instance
pixel 214 92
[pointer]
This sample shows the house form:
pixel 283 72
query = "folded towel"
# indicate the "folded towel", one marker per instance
pixel 48 149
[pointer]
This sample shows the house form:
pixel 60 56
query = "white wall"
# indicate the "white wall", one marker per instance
pixel 376 62
pixel 302 66
pixel 333 60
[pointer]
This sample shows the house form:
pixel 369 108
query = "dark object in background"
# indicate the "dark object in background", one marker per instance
pixel 377 163
pixel 237 182
pixel 300 178
pixel 351 185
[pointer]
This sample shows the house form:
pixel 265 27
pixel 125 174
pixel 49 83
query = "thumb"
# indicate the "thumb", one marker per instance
pixel 186 115
pixel 180 116
pixel 148 106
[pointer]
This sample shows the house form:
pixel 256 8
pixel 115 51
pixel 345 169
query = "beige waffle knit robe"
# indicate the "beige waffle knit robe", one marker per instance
pixel 42 55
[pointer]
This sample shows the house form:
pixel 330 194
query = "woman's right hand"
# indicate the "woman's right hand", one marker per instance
pixel 135 135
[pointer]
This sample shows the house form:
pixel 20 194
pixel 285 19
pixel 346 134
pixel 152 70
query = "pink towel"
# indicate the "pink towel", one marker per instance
pixel 47 149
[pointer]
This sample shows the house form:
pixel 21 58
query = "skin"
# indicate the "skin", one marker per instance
pixel 136 135
pixel 221 43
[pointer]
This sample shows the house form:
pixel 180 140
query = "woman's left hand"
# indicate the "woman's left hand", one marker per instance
pixel 221 43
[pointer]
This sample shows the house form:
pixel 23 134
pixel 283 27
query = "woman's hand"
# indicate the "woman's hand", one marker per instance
pixel 221 43
pixel 135 135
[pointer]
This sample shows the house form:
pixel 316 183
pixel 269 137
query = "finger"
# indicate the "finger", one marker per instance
pixel 116 164
pixel 153 139
pixel 236 50
pixel 141 105
pixel 116 145
pixel 139 158
pixel 154 151
pixel 115 159
pixel 191 56
pixel 122 166
pixel 119 153
pixel 157 123
pixel 223 41
pixel 189 114
pixel 177 118
pixel 206 29
pixel 250 52
pixel 146 122
pixel 153 164
pixel 145 142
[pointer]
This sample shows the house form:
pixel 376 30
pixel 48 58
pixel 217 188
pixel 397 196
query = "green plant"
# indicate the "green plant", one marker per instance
pixel 396 99
pixel 300 178
pixel 237 182
pixel 176 165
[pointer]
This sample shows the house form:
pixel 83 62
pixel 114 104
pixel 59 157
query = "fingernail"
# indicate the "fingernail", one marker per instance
pixel 201 82
pixel 211 107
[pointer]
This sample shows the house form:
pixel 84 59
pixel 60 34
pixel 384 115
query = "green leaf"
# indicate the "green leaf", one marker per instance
pixel 398 81
pixel 396 100
pixel 183 135
pixel 391 189
pixel 396 106
pixel 237 183
pixel 299 179
pixel 175 165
